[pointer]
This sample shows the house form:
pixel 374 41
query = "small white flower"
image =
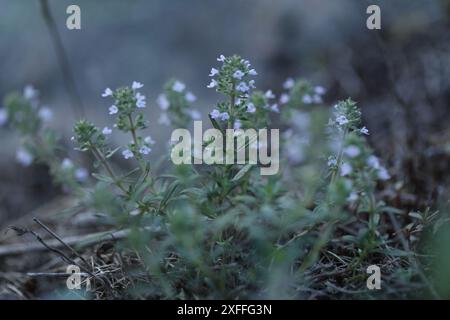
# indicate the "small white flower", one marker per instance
pixel 251 108
pixel 224 116
pixel 289 83
pixel 127 154
pixel 221 58
pixel 251 84
pixel 341 120
pixel 364 130
pixel 29 92
pixel 215 114
pixel 284 98
pixel 108 92
pixel 317 99
pixel 319 90
pixel 3 116
pixel 269 94
pixel 145 150
pixel 332 161
pixel 373 162
pixel 140 100
pixel 195 114
pixel 106 131
pixel 274 108
pixel 113 109
pixel 383 174
pixel 178 86
pixel 136 85
pixel 81 174
pixel 213 72
pixel 352 151
pixel 24 157
pixel 346 169
pixel 246 63
pixel 238 74
pixel 253 72
pixel 307 99
pixel 45 114
pixel 140 104
pixel 66 164
pixel 190 97
pixel 243 87
pixel 352 197
pixel 163 102
pixel 149 140
pixel 212 84
pixel 164 119
pixel 237 124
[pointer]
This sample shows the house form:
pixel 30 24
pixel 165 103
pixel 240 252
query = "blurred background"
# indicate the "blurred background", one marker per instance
pixel 399 75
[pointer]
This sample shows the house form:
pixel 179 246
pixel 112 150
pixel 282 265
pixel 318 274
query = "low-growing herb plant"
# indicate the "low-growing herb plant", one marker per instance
pixel 223 230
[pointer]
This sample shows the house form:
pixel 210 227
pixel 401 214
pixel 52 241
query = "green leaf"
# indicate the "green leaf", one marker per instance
pixel 168 194
pixel 112 152
pixel 103 178
pixel 242 172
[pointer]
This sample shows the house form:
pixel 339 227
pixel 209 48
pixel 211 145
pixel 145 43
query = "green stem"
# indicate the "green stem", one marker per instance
pixel 135 140
pixel 372 211
pixel 339 157
pixel 100 157
pixel 232 105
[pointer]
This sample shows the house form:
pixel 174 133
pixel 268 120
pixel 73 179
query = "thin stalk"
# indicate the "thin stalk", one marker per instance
pixel 232 105
pixel 97 153
pixel 69 79
pixel 339 157
pixel 135 140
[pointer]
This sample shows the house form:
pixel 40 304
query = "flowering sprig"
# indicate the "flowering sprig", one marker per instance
pixel 347 117
pixel 39 143
pixel 354 165
pixel 127 110
pixel 89 138
pixel 176 104
pixel 232 79
pixel 301 94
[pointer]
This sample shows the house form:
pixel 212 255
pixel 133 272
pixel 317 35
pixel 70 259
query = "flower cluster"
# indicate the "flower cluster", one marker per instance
pixel 233 76
pixel 127 109
pixel 39 143
pixel 347 117
pixel 354 160
pixel 301 93
pixel 243 108
pixel 25 113
pixel 87 136
pixel 175 104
